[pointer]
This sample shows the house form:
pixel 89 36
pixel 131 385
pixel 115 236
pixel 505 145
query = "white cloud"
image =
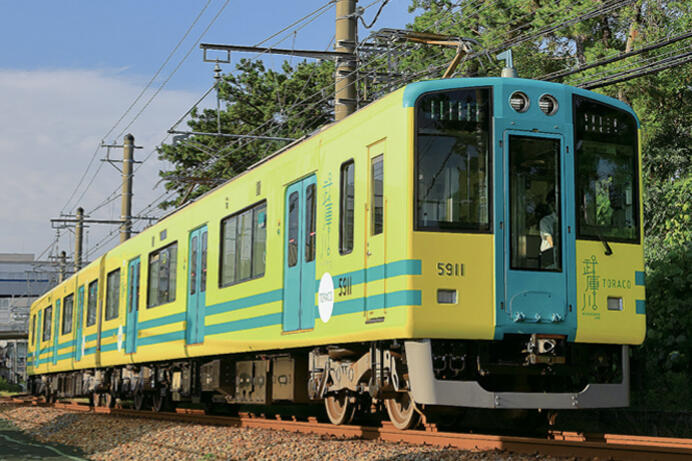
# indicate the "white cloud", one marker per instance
pixel 50 124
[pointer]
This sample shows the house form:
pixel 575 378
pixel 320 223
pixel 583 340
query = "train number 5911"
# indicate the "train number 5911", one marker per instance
pixel 450 269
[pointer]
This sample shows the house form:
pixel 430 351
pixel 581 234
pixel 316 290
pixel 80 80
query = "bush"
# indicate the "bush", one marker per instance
pixel 7 387
pixel 665 358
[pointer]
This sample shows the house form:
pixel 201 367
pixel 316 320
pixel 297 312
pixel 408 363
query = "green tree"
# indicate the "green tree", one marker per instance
pixel 256 101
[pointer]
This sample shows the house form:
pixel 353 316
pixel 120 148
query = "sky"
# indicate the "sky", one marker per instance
pixel 68 73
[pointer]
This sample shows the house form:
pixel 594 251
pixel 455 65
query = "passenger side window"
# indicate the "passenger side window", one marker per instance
pixel 92 302
pixel 346 207
pixel 68 304
pixel 162 275
pixel 243 245
pixel 112 294
pixel 47 322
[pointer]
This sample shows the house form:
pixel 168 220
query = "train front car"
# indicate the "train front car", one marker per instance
pixel 526 217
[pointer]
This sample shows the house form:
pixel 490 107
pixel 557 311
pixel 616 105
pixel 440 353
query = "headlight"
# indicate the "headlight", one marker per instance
pixel 519 101
pixel 548 104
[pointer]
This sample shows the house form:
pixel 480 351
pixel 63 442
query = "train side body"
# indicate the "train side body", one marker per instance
pixel 185 288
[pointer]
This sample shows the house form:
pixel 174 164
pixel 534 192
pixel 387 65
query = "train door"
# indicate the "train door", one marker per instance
pixel 375 276
pixel 56 331
pixel 299 256
pixel 536 263
pixel 197 286
pixel 38 338
pixel 78 338
pixel 132 306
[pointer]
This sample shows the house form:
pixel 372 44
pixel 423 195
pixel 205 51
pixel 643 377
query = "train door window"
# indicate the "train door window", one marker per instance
pixel 47 322
pixel 534 200
pixel 112 294
pixel 293 226
pixel 347 207
pixel 162 275
pixel 203 275
pixel 92 302
pixel 310 223
pixel 377 208
pixel 68 307
pixel 193 265
pixel 259 240
pixel 33 329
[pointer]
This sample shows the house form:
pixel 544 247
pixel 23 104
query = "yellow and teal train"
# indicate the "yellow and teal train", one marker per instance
pixel 459 242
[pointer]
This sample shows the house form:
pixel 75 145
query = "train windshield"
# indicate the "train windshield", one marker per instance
pixel 606 172
pixel 453 161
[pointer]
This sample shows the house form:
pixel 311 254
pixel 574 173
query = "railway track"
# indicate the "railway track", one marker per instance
pixel 558 443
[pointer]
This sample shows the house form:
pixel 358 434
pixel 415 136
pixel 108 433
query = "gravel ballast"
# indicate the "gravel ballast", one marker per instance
pixel 103 437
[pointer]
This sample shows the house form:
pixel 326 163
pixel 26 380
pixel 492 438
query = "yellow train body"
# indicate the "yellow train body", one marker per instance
pixel 386 287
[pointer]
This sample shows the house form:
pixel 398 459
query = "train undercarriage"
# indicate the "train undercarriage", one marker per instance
pixel 404 378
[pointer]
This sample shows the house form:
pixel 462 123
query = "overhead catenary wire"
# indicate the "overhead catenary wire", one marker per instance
pixel 327 97
pixel 611 5
pixel 93 157
pixel 315 13
pixel 617 57
pixel 180 63
pixel 579 17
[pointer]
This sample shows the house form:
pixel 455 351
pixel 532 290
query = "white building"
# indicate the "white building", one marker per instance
pixel 22 280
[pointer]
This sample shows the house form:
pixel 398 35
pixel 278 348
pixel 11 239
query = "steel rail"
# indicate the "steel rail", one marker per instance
pixel 558 443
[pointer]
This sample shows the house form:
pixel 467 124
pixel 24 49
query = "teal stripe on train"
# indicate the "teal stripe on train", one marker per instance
pixel 639 278
pixel 384 271
pixel 395 299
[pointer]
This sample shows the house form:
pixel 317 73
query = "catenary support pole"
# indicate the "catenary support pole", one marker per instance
pixel 61 266
pixel 78 234
pixel 345 41
pixel 126 213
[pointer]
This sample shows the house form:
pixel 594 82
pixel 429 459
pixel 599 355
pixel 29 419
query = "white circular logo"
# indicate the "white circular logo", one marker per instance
pixel 120 338
pixel 326 297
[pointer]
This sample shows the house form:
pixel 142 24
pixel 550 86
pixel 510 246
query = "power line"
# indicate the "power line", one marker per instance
pixel 617 57
pixel 93 157
pixel 674 61
pixel 319 11
pixel 192 48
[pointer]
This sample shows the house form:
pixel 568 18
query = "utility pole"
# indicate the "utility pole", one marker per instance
pixel 78 234
pixel 61 265
pixel 126 213
pixel 345 99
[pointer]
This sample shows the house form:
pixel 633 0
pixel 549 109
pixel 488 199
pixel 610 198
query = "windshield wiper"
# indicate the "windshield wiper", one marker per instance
pixel 608 250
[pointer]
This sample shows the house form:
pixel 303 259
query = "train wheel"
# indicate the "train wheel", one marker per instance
pixel 159 402
pixel 339 408
pixel 402 411
pixel 138 400
pixel 108 400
